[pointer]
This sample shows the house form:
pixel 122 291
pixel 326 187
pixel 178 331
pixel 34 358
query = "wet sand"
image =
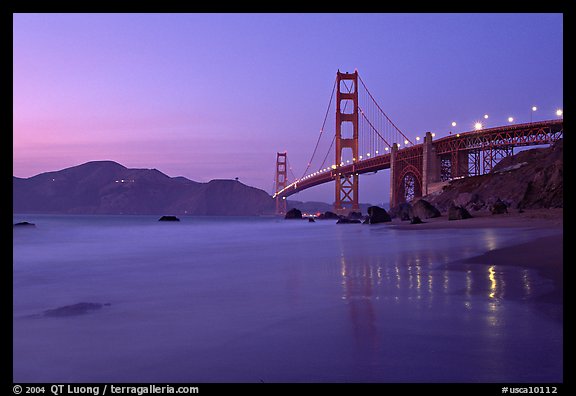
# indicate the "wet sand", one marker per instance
pixel 544 254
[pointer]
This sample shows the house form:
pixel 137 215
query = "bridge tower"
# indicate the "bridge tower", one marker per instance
pixel 281 181
pixel 346 184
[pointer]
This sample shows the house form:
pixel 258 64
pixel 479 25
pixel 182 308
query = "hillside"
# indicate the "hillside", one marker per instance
pixel 530 179
pixel 106 187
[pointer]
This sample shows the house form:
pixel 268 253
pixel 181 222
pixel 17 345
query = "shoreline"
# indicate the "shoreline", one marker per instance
pixel 543 254
pixel 534 218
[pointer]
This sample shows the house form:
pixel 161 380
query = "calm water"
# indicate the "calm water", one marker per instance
pixel 250 300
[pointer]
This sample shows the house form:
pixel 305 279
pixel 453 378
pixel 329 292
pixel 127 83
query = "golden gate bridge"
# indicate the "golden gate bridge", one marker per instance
pixel 366 140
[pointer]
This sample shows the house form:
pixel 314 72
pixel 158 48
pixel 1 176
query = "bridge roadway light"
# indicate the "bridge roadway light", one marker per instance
pixel 405 141
pixel 534 108
pixel 485 116
pixel 478 125
pixel 510 119
pixel 418 138
pixel 453 123
pixel 559 112
pixel 433 134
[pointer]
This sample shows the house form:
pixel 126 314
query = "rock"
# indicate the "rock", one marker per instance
pixel 74 310
pixel 355 216
pixel 344 220
pixel 24 224
pixel 377 215
pixel 499 207
pixel 311 220
pixel 424 209
pixel 403 211
pixel 293 214
pixel 458 213
pixel 168 218
pixel 529 179
pixel 416 220
pixel 328 216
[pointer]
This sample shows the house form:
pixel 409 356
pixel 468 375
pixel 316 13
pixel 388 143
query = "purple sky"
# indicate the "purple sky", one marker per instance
pixel 210 96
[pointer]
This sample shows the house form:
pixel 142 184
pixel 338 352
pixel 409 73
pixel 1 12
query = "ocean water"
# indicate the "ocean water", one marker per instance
pixel 269 300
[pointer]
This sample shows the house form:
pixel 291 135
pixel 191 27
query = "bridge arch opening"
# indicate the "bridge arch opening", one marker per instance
pixel 347 86
pixel 347 106
pixel 410 186
pixel 347 130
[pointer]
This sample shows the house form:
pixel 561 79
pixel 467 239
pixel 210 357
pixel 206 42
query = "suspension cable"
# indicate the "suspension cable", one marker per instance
pixel 382 111
pixel 321 130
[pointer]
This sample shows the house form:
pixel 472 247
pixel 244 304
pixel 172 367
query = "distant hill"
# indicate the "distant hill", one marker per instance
pixel 106 187
pixel 530 179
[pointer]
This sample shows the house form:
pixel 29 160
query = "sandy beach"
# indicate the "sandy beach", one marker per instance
pixel 543 254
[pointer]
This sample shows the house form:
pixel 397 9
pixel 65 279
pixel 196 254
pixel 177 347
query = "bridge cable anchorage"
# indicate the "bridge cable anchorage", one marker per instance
pixel 382 111
pixel 321 129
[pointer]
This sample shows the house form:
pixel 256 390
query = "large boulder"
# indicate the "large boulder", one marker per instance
pixel 499 207
pixel 328 216
pixel 403 211
pixel 25 224
pixel 168 218
pixel 293 214
pixel 355 216
pixel 377 215
pixel 416 220
pixel 424 210
pixel 344 220
pixel 458 213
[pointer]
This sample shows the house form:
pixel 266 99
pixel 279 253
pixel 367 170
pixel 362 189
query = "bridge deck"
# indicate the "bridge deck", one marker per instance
pixel 535 133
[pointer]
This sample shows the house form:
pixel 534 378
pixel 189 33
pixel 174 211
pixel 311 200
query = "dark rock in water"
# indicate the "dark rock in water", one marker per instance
pixel 344 220
pixel 424 209
pixel 355 216
pixel 377 215
pixel 168 218
pixel 311 220
pixel 24 224
pixel 403 211
pixel 328 216
pixel 416 220
pixel 293 214
pixel 499 207
pixel 74 310
pixel 458 213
